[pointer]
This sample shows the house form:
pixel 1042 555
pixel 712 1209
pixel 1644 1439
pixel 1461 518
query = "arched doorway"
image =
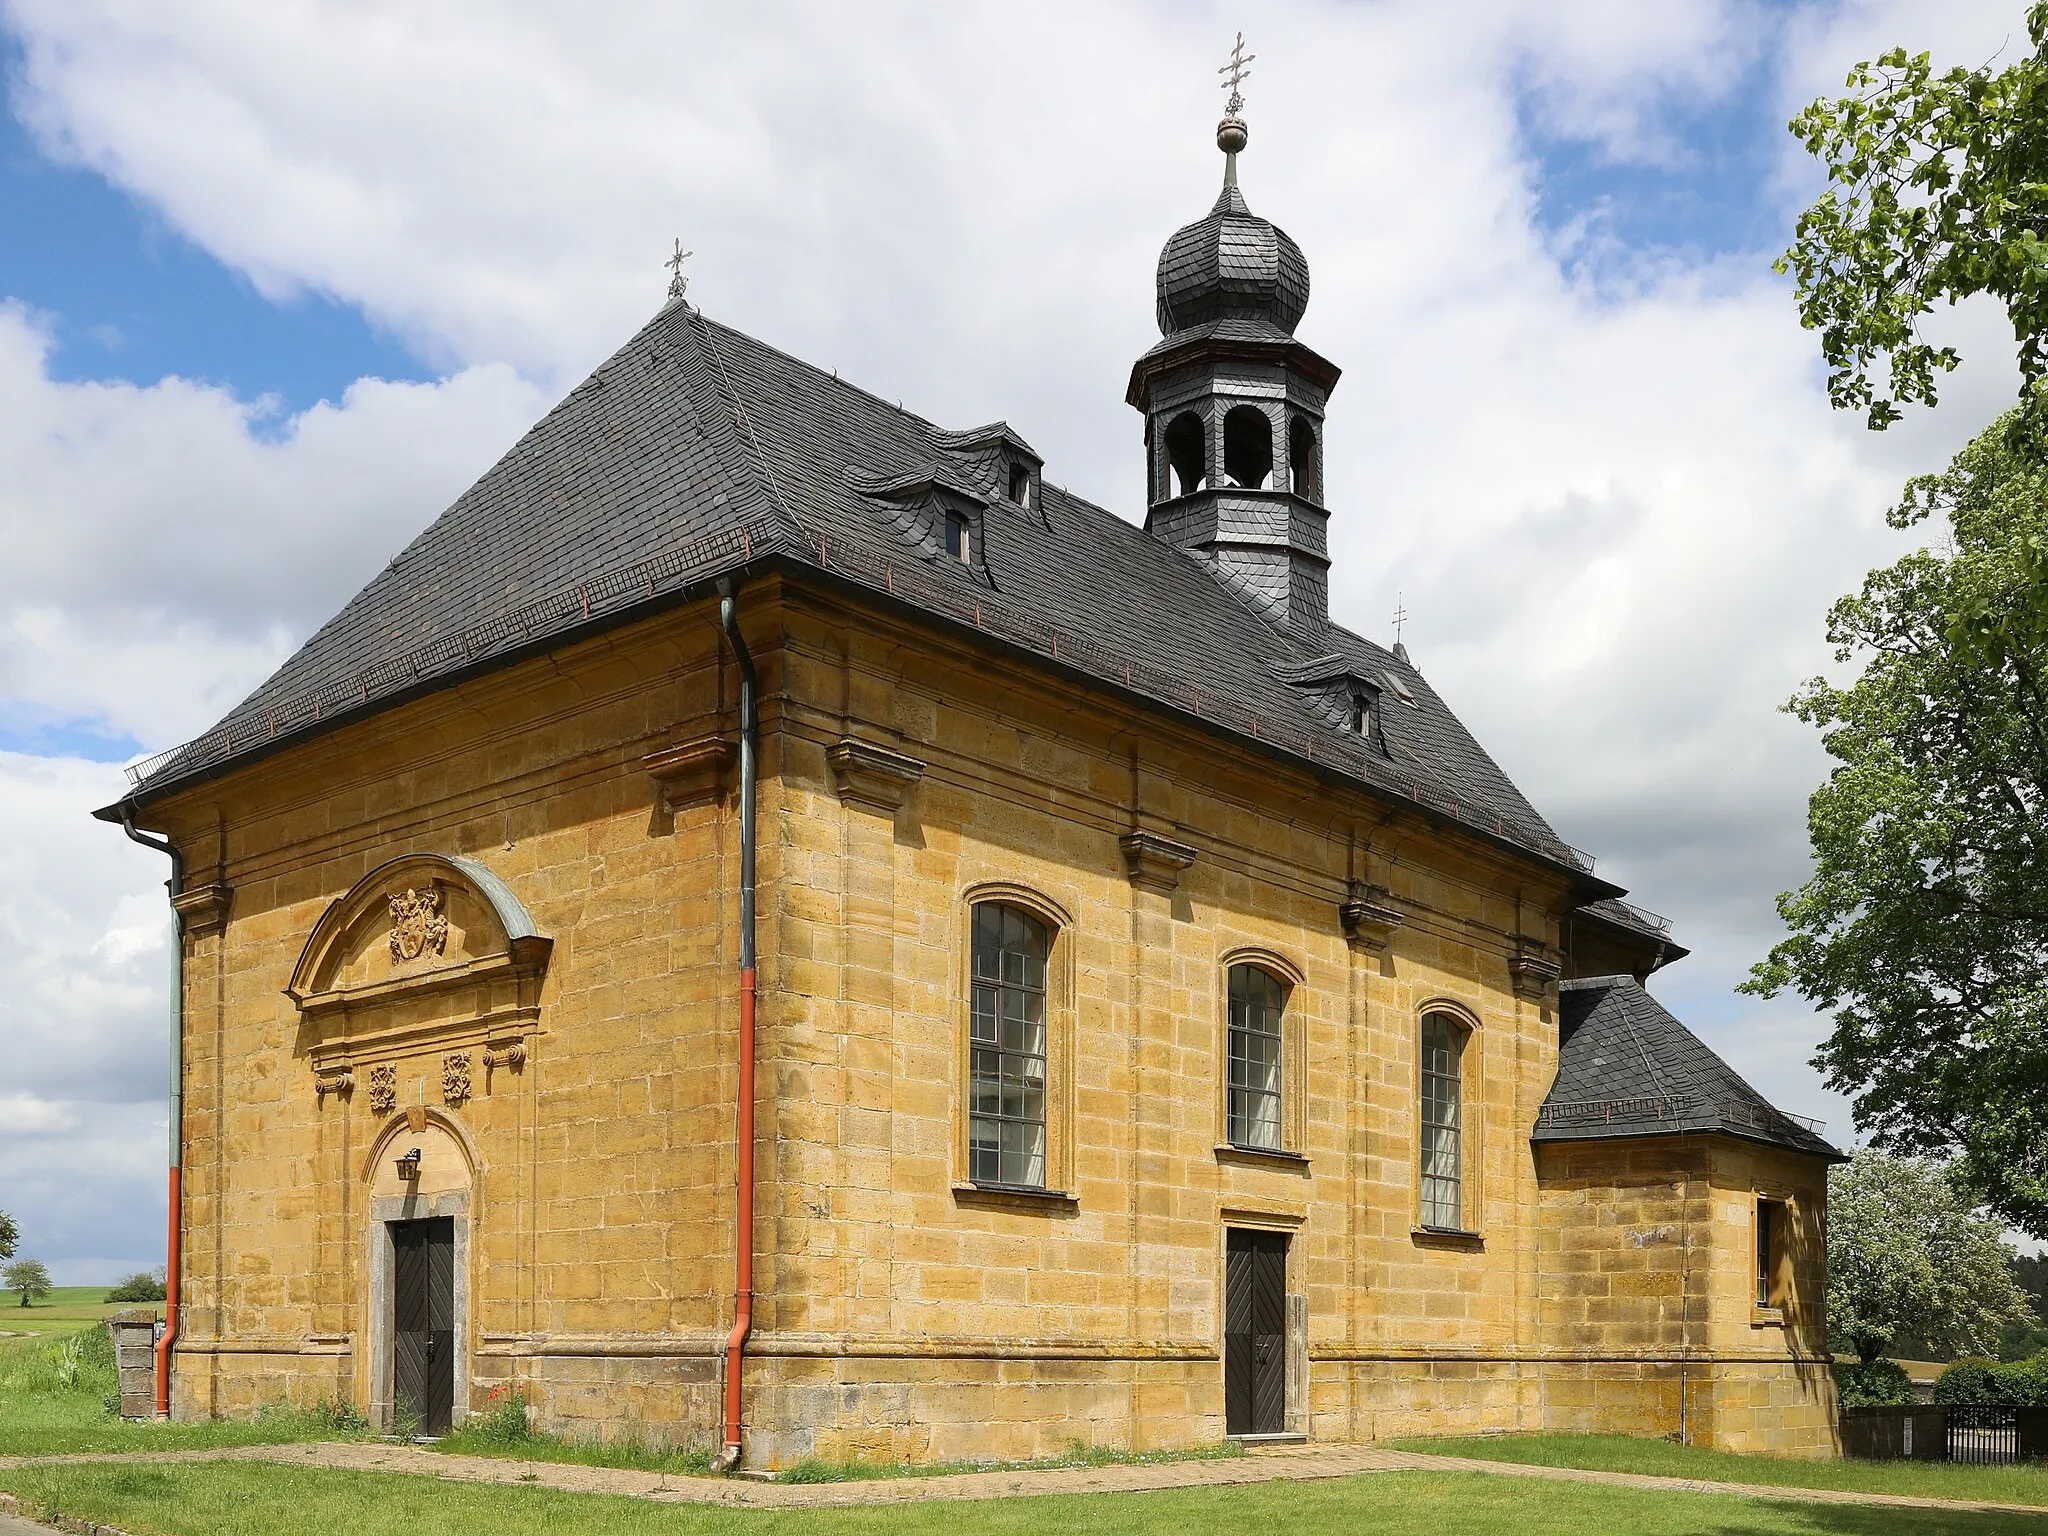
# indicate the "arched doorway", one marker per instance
pixel 418 1261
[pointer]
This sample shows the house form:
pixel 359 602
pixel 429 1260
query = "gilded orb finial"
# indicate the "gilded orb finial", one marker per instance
pixel 1231 133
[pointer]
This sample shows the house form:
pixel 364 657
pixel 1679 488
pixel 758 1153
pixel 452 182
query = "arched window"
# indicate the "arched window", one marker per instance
pixel 1303 470
pixel 1007 1048
pixel 1258 1000
pixel 1188 452
pixel 1247 447
pixel 1443 1119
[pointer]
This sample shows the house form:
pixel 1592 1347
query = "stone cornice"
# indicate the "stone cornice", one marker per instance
pixel 1533 971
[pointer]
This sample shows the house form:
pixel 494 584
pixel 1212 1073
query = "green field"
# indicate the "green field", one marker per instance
pixel 1661 1458
pixel 64 1310
pixel 242 1499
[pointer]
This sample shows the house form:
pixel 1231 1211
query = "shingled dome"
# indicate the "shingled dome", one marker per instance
pixel 1231 265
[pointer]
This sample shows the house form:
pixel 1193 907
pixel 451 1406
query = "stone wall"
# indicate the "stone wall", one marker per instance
pixel 901 1311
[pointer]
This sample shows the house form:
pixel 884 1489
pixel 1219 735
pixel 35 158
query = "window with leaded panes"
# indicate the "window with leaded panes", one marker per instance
pixel 1006 1073
pixel 1443 1092
pixel 1257 1000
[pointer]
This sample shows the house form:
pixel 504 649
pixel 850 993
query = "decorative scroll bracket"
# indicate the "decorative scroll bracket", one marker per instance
pixel 202 908
pixel 1155 863
pixel 1369 916
pixel 874 776
pixel 1532 971
pixel 691 774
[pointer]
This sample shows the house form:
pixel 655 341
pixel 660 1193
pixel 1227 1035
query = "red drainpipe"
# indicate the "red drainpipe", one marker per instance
pixel 177 1111
pixel 743 1236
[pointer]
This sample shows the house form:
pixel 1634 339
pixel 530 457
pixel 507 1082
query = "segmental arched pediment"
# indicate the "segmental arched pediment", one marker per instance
pixel 429 969
pixel 420 923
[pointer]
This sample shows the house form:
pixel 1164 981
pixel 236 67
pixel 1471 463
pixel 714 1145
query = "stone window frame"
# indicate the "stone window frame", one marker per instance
pixel 1293 1054
pixel 1059 1042
pixel 1471 1121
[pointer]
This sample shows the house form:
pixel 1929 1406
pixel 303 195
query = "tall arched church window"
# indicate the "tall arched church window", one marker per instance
pixel 1247 447
pixel 1304 472
pixel 1187 452
pixel 1258 1001
pixel 1443 1111
pixel 1007 1048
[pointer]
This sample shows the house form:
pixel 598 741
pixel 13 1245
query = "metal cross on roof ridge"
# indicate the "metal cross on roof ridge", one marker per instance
pixel 1400 617
pixel 1238 72
pixel 677 283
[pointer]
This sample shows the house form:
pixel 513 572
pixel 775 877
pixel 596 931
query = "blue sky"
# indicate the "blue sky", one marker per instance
pixel 130 298
pixel 1579 431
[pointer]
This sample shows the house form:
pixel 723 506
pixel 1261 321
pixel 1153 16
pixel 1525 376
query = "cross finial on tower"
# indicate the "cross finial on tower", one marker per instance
pixel 1238 73
pixel 677 283
pixel 1231 133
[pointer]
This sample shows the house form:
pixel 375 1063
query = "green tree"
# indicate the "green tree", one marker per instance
pixel 1924 927
pixel 1938 190
pixel 29 1278
pixel 1908 1254
pixel 10 1236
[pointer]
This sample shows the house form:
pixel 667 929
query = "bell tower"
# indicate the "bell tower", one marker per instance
pixel 1234 405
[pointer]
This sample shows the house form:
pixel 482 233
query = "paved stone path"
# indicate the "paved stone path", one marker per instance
pixel 1297 1463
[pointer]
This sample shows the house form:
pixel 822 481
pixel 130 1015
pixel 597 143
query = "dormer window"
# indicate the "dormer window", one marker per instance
pixel 1020 484
pixel 959 538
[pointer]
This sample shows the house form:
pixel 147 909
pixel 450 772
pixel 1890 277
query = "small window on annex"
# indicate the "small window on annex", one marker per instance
pixel 1006 1065
pixel 1770 1247
pixel 1258 999
pixel 1443 1093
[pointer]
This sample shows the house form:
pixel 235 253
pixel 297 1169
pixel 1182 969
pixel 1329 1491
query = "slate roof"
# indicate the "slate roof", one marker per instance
pixel 1231 263
pixel 1626 1067
pixel 696 450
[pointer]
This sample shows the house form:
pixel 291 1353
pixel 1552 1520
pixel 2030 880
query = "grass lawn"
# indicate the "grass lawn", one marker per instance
pixel 54 1393
pixel 1661 1458
pixel 64 1310
pixel 241 1499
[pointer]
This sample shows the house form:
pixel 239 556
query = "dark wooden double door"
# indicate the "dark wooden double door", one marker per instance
pixel 1254 1332
pixel 423 1322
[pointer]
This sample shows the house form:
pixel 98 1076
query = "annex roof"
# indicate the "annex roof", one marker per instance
pixel 1626 1067
pixel 696 451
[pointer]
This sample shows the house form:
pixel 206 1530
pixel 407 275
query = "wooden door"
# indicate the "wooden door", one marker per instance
pixel 1254 1333
pixel 423 1321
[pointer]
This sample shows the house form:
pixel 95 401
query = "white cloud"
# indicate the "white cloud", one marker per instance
pixel 1617 513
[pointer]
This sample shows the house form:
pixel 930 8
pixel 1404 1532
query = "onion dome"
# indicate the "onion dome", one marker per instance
pixel 1232 264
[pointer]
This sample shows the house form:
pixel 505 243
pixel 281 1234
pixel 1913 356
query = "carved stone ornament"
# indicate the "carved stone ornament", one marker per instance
pixel 335 1077
pixel 201 908
pixel 1369 916
pixel 383 1088
pixel 1155 862
pixel 418 926
pixel 455 1077
pixel 505 1053
pixel 871 775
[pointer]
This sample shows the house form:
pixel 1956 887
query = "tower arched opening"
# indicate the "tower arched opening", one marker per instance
pixel 1247 447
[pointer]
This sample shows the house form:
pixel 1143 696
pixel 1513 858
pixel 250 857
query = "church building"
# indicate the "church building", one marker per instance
pixel 772 925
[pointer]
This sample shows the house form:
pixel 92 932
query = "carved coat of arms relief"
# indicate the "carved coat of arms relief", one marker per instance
pixel 418 926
